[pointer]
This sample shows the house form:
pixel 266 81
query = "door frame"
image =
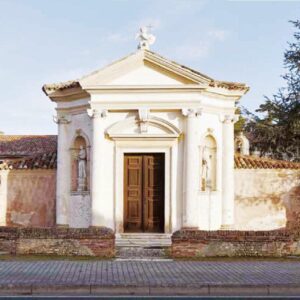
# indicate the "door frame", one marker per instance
pixel 169 149
pixel 144 206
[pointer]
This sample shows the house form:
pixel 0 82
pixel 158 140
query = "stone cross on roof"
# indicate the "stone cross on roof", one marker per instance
pixel 146 38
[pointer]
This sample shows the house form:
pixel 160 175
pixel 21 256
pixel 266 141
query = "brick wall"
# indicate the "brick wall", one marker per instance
pixel 196 243
pixel 58 241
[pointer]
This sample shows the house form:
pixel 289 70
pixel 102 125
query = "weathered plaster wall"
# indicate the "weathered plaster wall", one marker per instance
pixel 263 198
pixel 30 198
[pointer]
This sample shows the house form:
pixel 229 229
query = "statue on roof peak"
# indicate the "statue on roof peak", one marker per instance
pixel 146 38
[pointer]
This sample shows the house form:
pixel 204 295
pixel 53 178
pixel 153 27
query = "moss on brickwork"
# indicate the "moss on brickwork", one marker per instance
pixel 196 243
pixel 96 241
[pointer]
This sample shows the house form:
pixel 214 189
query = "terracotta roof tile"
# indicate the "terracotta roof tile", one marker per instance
pixel 46 160
pixel 60 85
pixel 253 162
pixel 26 145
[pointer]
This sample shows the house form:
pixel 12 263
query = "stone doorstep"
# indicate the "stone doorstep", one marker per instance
pixel 135 253
pixel 201 290
pixel 142 243
pixel 135 246
pixel 144 235
pixel 143 240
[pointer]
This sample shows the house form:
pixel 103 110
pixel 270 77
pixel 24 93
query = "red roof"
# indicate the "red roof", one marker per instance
pixel 41 161
pixel 254 162
pixel 48 160
pixel 39 152
pixel 17 146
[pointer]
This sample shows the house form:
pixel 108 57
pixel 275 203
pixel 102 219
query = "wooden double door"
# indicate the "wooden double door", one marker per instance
pixel 144 182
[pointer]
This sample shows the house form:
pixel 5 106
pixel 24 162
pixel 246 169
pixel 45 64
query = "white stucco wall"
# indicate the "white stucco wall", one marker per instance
pixel 259 197
pixel 124 91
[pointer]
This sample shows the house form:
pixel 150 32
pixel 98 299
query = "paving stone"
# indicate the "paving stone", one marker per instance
pixel 162 274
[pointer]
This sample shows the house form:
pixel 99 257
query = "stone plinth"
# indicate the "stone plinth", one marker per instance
pixel 80 210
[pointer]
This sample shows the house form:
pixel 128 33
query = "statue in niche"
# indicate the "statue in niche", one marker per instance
pixel 206 170
pixel 81 180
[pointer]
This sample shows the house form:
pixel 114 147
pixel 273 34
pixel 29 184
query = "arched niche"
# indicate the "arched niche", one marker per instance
pixel 208 164
pixel 80 141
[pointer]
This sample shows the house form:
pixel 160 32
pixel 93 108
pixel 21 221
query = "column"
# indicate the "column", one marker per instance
pixel 191 169
pixel 63 176
pixel 98 201
pixel 228 172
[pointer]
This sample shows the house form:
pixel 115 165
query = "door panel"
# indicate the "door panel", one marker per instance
pixel 133 193
pixel 144 192
pixel 153 200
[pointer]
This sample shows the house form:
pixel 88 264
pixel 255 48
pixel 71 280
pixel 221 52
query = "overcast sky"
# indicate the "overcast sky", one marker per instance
pixel 45 41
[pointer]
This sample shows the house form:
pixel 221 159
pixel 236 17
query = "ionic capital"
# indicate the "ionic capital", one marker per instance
pixel 192 112
pixel 94 113
pixel 229 118
pixel 62 119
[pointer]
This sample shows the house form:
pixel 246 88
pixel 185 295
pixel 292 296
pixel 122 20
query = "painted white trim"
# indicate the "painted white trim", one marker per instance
pixel 160 146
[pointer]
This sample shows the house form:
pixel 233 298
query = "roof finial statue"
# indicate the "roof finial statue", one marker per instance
pixel 146 39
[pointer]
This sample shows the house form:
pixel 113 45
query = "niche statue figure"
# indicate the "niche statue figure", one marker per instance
pixel 81 180
pixel 206 170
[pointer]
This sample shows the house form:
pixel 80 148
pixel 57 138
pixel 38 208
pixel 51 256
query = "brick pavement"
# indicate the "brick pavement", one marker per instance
pixel 148 273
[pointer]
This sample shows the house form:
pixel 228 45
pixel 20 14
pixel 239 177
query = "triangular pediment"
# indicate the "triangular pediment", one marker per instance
pixel 144 68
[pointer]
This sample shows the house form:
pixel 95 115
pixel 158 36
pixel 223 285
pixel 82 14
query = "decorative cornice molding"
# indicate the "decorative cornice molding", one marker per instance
pixel 94 113
pixel 192 112
pixel 62 119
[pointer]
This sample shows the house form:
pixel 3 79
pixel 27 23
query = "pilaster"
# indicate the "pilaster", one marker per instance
pixel 100 215
pixel 63 176
pixel 228 171
pixel 191 169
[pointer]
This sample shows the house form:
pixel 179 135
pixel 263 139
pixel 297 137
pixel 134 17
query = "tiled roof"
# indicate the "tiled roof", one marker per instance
pixel 48 160
pixel 26 145
pixel 61 85
pixel 253 162
pixel 41 161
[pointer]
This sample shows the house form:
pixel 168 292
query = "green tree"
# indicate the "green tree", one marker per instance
pixel 276 132
pixel 240 124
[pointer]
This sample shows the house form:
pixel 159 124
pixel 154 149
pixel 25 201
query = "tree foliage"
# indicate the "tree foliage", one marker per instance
pixel 276 130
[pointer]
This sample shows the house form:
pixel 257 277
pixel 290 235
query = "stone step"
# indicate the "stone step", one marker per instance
pixel 144 236
pixel 142 252
pixel 143 242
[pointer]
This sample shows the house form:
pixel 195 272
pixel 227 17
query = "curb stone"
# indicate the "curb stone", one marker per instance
pixel 204 290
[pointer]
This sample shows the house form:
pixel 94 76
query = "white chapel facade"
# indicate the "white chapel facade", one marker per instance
pixel 145 145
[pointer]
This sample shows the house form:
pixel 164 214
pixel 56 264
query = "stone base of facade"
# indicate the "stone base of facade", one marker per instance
pixel 59 241
pixel 193 244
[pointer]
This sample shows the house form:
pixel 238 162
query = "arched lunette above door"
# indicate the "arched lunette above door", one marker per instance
pixel 149 127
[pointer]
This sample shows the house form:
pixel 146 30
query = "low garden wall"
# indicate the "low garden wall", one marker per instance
pixel 196 243
pixel 265 199
pixel 96 241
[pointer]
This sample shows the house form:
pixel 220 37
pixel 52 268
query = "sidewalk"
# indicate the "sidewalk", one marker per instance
pixel 150 277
